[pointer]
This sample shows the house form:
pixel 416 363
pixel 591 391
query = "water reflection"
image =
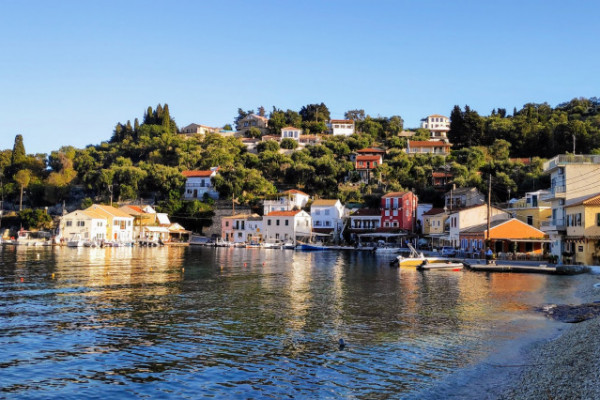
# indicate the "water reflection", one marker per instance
pixel 194 322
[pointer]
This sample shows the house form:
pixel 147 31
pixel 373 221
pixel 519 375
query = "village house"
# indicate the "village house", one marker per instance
pixel 573 178
pixel 252 121
pixel 328 217
pixel 287 201
pixel 119 224
pixel 509 238
pixel 233 228
pixel 434 147
pixel 531 209
pixel 365 220
pixel 463 197
pixel 582 240
pixel 398 211
pixel 435 227
pixel 438 125
pixel 197 129
pixel 343 127
pixel 291 132
pixel 365 164
pixel 460 219
pixel 199 183
pixel 143 216
pixel 84 224
pixel 283 226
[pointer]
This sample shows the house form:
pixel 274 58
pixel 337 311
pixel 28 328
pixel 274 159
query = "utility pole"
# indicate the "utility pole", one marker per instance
pixel 489 208
pixel 573 144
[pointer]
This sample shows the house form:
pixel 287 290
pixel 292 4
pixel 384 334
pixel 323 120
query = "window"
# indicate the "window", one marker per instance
pixel 326 212
pixel 239 234
pixel 269 222
pixel 287 222
pixel 69 223
pixel 277 222
pixel 578 219
pixel 580 249
pixel 598 219
pixel 530 220
pixel 386 224
pixel 116 223
pixel 80 223
pixel 227 223
pixel 317 212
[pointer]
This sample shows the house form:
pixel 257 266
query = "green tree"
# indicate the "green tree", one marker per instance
pixel 35 219
pixel 314 113
pixel 355 115
pixel 18 153
pixel 23 177
pixel 288 143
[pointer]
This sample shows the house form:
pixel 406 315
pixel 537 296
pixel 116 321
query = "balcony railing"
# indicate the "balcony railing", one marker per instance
pixel 554 192
pixel 565 159
pixel 553 225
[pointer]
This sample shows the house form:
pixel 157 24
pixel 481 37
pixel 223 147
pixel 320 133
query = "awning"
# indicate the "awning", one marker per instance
pixel 159 229
pixel 381 234
pixel 524 240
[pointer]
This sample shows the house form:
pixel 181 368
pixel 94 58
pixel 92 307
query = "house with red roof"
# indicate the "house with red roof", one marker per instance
pixel 435 147
pixel 286 201
pixel 284 226
pixel 365 220
pixel 199 183
pixel 365 164
pixel 398 211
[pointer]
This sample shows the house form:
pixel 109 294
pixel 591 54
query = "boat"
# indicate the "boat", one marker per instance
pixel 312 247
pixel 288 246
pixel 253 245
pixel 201 241
pixel 440 265
pixel 31 238
pixel 267 245
pixel 75 241
pixel 416 259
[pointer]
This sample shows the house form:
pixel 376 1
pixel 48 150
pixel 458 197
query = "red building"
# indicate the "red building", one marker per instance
pixel 398 211
pixel 364 165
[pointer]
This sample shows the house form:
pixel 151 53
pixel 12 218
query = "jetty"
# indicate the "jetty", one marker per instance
pixel 481 266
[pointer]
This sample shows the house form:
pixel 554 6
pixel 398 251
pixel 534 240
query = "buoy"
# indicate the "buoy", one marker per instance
pixel 245 264
pixel 21 279
pixel 52 276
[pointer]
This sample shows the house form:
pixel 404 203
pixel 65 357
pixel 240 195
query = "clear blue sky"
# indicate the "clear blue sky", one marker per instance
pixel 70 70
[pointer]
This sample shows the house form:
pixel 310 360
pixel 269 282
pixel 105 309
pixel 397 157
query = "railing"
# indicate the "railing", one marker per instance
pixel 565 159
pixel 558 224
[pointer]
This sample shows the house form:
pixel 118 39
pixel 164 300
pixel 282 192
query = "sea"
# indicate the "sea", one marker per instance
pixel 233 323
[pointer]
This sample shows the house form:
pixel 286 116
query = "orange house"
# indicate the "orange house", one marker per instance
pixel 506 236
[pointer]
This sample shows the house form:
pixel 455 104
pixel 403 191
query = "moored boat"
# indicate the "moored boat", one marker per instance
pixel 440 265
pixel 416 259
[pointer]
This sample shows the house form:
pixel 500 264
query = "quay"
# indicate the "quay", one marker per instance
pixel 534 268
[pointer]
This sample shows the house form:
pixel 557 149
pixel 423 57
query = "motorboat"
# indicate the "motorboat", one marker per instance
pixel 440 265
pixel 33 238
pixel 288 246
pixel 312 247
pixel 75 241
pixel 416 259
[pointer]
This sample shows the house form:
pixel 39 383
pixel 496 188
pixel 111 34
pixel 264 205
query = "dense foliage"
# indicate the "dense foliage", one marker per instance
pixel 146 160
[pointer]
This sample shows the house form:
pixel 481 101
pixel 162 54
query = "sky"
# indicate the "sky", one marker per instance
pixel 71 70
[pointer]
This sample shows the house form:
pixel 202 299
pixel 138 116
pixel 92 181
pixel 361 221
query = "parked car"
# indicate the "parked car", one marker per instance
pixel 448 251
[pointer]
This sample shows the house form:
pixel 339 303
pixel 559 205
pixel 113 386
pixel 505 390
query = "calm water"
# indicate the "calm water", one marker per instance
pixel 237 323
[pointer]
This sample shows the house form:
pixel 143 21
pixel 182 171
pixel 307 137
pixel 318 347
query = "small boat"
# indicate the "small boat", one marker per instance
pixel 33 238
pixel 450 265
pixel 312 247
pixel 288 246
pixel 75 241
pixel 416 259
pixel 267 245
pixel 253 245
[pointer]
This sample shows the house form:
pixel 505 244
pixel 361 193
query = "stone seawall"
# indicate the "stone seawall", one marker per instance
pixel 223 208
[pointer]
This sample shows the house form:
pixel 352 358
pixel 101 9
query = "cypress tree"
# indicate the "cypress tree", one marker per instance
pixel 136 125
pixel 18 153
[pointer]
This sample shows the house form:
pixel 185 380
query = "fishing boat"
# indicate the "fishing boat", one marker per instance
pixel 416 259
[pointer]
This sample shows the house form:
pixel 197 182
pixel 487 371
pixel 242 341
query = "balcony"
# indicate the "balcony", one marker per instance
pixel 555 192
pixel 565 159
pixel 553 225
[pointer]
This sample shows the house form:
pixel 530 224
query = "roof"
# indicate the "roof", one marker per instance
pixel 406 134
pixel 506 229
pixel 324 203
pixel 428 143
pixel 163 219
pixel 238 216
pixel 294 191
pixel 593 200
pixel 442 174
pixel 434 211
pixel 437 115
pixel 255 116
pixel 483 227
pixel 371 150
pixel 92 214
pixel 198 174
pixel 283 213
pixel 394 194
pixel 366 212
pixel 368 158
pixel 290 128
pixel 341 121
pixel 114 212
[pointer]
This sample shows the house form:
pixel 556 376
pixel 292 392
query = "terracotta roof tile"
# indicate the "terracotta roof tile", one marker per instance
pixel 197 174
pixel 283 213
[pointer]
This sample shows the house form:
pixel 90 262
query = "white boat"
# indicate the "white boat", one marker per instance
pixel 440 265
pixel 31 238
pixel 416 259
pixel 75 241
pixel 288 246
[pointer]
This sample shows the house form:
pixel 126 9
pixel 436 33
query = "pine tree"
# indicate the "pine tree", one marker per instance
pixel 149 116
pixel 18 153
pixel 166 117
pixel 136 125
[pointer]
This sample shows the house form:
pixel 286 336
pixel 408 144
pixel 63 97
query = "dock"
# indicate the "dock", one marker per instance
pixel 528 269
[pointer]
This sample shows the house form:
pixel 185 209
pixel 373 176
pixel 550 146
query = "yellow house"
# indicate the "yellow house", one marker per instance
pixel 583 230
pixel 434 226
pixel 531 209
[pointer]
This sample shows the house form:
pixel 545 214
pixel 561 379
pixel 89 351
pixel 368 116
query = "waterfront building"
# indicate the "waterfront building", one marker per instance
pixel 434 147
pixel 85 224
pixel 343 127
pixel 438 125
pixel 199 183
pixel 531 209
pixel 463 197
pixel 365 220
pixel 236 228
pixel 287 201
pixel 328 217
pixel 398 211
pixel 510 238
pixel 582 241
pixel 435 227
pixel 252 121
pixel 287 226
pixel 460 219
pixel 143 216
pixel 573 178
pixel 119 225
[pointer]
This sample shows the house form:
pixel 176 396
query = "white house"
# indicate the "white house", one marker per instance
pixel 199 183
pixel 341 127
pixel 328 217
pixel 193 129
pixel 291 133
pixel 469 217
pixel 287 201
pixel 87 224
pixel 252 121
pixel 287 225
pixel 438 125
pixel 120 224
